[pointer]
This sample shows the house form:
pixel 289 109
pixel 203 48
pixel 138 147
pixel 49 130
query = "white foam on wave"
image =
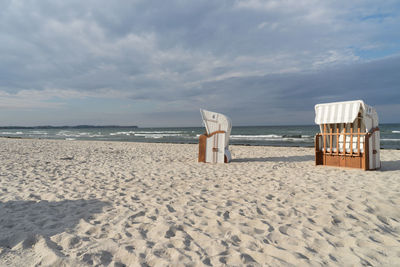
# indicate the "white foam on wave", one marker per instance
pixel 157 135
pixel 391 140
pixel 141 133
pixel 12 133
pixel 270 137
pixel 123 133
pixel 146 132
pixel 395 131
pixel 78 134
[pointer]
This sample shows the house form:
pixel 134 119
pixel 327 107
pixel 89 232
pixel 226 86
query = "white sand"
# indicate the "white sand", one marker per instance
pixel 78 203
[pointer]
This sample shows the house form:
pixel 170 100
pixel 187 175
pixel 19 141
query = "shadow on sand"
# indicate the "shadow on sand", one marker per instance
pixel 390 165
pixel 386 165
pixel 23 221
pixel 276 159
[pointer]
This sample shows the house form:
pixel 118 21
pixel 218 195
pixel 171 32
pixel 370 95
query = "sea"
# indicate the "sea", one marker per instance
pixel 296 136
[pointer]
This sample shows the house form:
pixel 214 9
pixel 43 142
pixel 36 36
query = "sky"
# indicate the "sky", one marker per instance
pixel 156 63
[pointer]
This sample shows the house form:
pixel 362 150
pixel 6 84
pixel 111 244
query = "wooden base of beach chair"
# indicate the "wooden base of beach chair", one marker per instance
pixel 350 159
pixel 347 161
pixel 203 147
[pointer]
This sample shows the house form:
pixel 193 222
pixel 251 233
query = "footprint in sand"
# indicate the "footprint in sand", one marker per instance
pixel 351 216
pixel 246 258
pixel 270 197
pixel 336 220
pixel 158 252
pixel 130 249
pixel 235 240
pixel 139 214
pixel 383 219
pixel 311 250
pixel 311 220
pixel 270 227
pixel 170 208
pixel 207 262
pixel 259 211
pixel 150 244
pixel 73 241
pixel 332 257
pixel 301 256
pixel 283 229
pixel 222 260
pixel 171 232
pixel 226 215
pixel 187 242
pixel 103 257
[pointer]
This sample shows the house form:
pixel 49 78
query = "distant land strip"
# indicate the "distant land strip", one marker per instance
pixel 68 127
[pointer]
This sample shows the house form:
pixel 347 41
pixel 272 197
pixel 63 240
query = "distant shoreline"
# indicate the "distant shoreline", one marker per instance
pixel 161 142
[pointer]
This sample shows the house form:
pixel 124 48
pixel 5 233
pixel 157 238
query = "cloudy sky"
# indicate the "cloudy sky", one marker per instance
pixel 155 63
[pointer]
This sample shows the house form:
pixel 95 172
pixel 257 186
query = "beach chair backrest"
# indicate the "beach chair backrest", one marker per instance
pixel 214 121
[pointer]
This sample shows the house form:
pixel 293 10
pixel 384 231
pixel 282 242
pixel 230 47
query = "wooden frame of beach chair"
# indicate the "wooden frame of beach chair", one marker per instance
pixel 348 144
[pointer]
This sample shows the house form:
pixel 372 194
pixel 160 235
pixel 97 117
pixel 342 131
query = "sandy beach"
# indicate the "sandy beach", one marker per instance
pixel 78 203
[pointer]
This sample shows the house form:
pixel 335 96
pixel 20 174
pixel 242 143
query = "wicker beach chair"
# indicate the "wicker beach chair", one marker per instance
pixel 349 135
pixel 214 144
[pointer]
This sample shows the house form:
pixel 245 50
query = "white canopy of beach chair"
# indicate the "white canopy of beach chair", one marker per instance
pixel 346 112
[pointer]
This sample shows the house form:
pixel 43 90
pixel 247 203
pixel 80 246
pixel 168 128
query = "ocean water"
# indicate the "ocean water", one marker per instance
pixel 255 135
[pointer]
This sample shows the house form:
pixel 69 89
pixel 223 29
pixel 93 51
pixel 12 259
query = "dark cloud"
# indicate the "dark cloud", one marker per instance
pixel 376 82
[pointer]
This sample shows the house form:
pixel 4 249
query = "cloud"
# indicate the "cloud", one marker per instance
pixel 179 55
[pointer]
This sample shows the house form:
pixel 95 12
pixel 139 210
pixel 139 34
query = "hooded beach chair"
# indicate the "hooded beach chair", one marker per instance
pixel 214 144
pixel 349 135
